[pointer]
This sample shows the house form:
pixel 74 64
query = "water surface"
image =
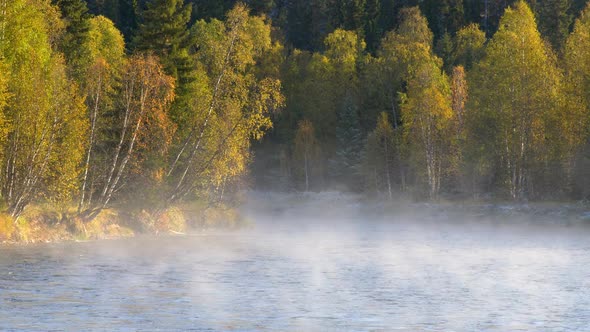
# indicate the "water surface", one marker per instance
pixel 293 272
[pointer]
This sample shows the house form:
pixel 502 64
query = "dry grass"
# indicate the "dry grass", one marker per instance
pixel 47 223
pixel 7 228
pixel 172 220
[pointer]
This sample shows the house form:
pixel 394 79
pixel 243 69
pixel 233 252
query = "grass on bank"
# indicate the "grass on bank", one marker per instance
pixel 48 223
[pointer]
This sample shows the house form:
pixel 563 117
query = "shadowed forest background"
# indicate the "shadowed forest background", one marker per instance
pixel 144 105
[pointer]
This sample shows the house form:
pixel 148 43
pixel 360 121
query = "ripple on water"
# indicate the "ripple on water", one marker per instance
pixel 400 278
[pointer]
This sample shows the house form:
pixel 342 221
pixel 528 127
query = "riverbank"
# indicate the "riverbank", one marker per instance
pixel 46 224
pixel 343 206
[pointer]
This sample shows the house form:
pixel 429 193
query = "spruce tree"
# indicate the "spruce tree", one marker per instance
pixel 373 31
pixel 260 7
pixel 555 20
pixel 349 145
pixel 163 30
pixel 121 12
pixel 73 43
pixel 444 49
pixel 444 16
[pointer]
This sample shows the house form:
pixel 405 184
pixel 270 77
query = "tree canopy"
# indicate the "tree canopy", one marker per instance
pixel 102 100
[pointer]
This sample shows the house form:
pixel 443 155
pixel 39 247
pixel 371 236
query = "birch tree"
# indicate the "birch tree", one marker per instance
pixel 306 151
pixel 427 118
pixel 235 107
pixel 42 153
pixel 577 68
pixel 107 58
pixel 515 102
pixel 146 95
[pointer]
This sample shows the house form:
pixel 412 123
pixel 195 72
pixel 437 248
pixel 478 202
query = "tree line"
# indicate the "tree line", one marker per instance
pixel 305 24
pixel 503 116
pixel 146 104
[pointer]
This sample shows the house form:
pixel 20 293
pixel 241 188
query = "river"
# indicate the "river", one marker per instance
pixel 301 270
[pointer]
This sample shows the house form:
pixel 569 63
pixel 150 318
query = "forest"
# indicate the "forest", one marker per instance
pixel 147 104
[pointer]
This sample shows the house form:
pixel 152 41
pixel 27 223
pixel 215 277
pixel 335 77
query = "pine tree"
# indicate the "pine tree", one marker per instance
pixel 349 14
pixel 163 28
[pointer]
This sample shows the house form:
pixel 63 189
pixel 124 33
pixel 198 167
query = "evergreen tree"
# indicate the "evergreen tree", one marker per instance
pixel 163 30
pixel 121 12
pixel 555 20
pixel 373 31
pixel 74 41
pixel 388 16
pixel 444 16
pixel 444 49
pixel 208 9
pixel 349 145
pixel 577 7
pixel 308 23
pixel 486 13
pixel 261 7
pixel 349 14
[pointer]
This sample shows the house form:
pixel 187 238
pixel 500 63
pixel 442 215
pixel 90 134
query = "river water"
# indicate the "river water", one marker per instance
pixel 292 271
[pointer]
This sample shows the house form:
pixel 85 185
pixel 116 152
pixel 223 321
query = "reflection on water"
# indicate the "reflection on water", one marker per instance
pixel 349 276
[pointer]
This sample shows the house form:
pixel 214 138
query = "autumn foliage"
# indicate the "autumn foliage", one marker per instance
pixel 176 110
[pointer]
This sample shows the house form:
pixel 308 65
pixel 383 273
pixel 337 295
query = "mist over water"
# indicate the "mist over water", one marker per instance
pixel 317 262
